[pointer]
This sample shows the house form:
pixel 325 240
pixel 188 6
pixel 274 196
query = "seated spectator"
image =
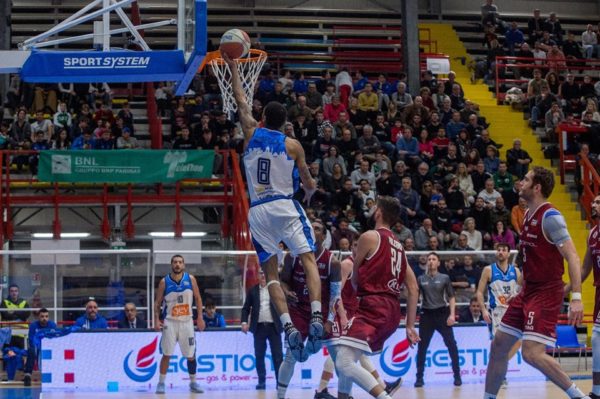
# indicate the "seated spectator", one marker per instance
pixel 455 198
pixel 513 38
pixel 474 237
pixel 384 185
pixel 127 141
pixel 589 41
pixel 43 323
pixel 9 313
pixel 128 118
pixel 99 91
pixel 553 27
pixel 457 99
pixel 84 142
pixel 401 97
pixel 429 81
pixel 465 184
pixel 368 103
pixel 342 124
pixel 401 232
pixel 555 59
pixel 450 82
pixel 500 213
pixel 570 95
pixel 535 85
pixel 524 52
pixel 482 216
pixel 422 175
pixel 407 148
pixel 362 173
pixel 162 99
pixel 553 82
pixel 454 126
pixel 331 160
pixel 442 222
pixel 440 144
pixel 323 144
pixel 489 194
pixel 446 111
pixel 328 91
pixel 535 26
pixel 502 234
pixel 463 144
pixel 62 141
pixel 517 215
pixel 184 141
pixel 503 180
pixel 40 144
pixel 300 108
pixel 211 317
pixel 426 149
pixel 423 234
pixel 553 118
pixel 539 54
pixel 41 124
pixel 314 99
pixel 542 104
pixel 380 164
pixel 130 319
pixel 439 97
pixel 416 108
pixel 571 49
pixel 518 160
pixel 491 161
pixel 91 320
pixel 105 142
pixel 462 243
pixel 343 230
pixel 434 244
pixel 300 84
pixel 62 118
pixel 104 113
pixel 332 110
pixel 588 92
pixel 472 313
pixel 410 201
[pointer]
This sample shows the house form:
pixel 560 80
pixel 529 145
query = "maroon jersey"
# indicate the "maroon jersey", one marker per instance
pixel 299 286
pixel 542 262
pixel 383 272
pixel 349 298
pixel 594 248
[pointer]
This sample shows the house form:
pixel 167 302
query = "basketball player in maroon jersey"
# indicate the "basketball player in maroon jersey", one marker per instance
pixel 592 262
pixel 293 283
pixel 533 313
pixel 380 269
pixel 350 301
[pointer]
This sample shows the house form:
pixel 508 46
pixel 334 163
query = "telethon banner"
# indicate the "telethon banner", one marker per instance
pixel 114 361
pixel 125 166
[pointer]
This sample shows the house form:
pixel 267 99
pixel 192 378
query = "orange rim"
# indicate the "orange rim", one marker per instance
pixel 253 56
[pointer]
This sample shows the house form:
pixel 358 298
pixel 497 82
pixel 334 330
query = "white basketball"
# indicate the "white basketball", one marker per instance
pixel 235 43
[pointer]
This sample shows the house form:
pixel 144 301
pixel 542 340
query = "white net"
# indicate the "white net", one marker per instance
pixel 249 68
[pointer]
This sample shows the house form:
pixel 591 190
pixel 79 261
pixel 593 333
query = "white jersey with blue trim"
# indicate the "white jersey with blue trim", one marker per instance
pixel 270 172
pixel 179 298
pixel 502 285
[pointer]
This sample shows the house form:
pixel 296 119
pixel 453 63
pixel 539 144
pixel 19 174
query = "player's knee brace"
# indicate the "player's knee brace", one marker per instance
pixel 366 363
pixel 595 351
pixel 191 365
pixel 286 370
pixel 346 365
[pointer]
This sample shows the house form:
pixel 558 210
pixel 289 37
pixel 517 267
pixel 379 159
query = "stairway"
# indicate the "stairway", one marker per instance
pixel 506 125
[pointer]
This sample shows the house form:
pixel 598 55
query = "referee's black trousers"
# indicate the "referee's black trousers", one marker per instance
pixel 433 320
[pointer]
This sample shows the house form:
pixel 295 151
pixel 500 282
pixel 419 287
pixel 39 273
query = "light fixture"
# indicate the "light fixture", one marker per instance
pixel 170 234
pixel 62 235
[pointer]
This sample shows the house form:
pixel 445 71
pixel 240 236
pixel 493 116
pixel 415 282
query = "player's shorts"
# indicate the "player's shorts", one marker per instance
pixel 533 314
pixel 280 220
pixel 596 327
pixel 375 320
pixel 174 331
pixel 497 314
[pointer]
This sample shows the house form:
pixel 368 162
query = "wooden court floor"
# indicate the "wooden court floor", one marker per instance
pixel 520 390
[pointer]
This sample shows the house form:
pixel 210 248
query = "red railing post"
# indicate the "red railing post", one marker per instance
pixel 105 227
pixel 129 225
pixel 56 225
pixel 178 225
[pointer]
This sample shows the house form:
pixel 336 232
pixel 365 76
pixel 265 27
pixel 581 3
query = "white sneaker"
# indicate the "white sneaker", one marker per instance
pixel 195 387
pixel 160 388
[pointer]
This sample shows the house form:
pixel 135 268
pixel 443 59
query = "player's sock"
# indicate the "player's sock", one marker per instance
pixel 315 306
pixel 162 378
pixel 383 395
pixel 574 392
pixel 488 396
pixel 192 378
pixel 327 368
pixel 285 318
pixel 281 390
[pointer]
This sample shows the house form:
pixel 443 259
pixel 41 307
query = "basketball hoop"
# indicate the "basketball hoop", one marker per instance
pixel 249 68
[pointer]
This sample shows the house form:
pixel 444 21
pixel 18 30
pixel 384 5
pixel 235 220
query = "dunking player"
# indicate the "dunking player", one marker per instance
pixel 380 269
pixel 178 290
pixel 293 282
pixel 275 164
pixel 503 282
pixel 350 301
pixel 592 262
pixel 533 313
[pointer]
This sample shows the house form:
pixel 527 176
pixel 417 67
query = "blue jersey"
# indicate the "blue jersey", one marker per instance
pixel 270 172
pixel 179 298
pixel 502 285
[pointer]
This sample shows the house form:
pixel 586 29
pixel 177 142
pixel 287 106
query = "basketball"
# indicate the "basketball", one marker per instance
pixel 235 43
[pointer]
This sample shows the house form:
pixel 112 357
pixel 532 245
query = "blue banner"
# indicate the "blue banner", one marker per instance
pixel 100 66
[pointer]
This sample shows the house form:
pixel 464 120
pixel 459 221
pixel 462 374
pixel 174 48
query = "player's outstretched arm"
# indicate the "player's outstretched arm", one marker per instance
pixel 481 287
pixel 336 305
pixel 296 152
pixel 248 123
pixel 412 299
pixel 198 299
pixel 567 250
pixel 160 292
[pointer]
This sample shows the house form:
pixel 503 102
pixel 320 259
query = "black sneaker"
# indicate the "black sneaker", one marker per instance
pixel 419 383
pixel 593 396
pixel 294 341
pixel 27 380
pixel 457 381
pixel 261 386
pixel 314 342
pixel 324 394
pixel 392 387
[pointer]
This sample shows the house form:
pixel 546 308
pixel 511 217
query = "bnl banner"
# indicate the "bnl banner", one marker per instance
pixel 110 361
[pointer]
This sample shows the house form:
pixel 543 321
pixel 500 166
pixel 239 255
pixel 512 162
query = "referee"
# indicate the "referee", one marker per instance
pixel 437 314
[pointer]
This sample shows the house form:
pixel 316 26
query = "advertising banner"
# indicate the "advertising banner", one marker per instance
pixel 109 361
pixel 98 66
pixel 125 166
